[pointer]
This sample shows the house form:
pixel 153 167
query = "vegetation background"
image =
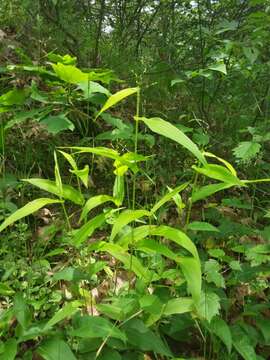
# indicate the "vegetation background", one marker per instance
pixel 141 129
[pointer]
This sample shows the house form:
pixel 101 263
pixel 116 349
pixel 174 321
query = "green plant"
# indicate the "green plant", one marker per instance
pixel 158 257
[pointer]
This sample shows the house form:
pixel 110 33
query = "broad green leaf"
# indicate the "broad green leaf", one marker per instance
pixel 26 210
pixel 93 202
pixel 226 25
pixel 55 349
pixel 13 97
pixel 87 230
pixel 69 193
pixel 209 305
pixel 110 354
pixel 251 54
pixel 212 273
pixel 6 290
pixel 91 87
pixel 141 337
pixel 57 123
pixel 69 73
pixel 218 172
pixel 225 162
pixel 82 174
pixel 63 313
pixel 116 98
pixel 151 303
pixel 209 190
pixel 20 117
pixel 56 58
pixel 220 328
pixel 242 343
pixel 170 131
pixel 10 350
pixel 178 306
pixel 21 311
pixel 96 327
pixel 125 218
pixel 220 67
pixel 264 325
pixel 247 150
pixel 70 274
pixel 168 197
pixel 201 226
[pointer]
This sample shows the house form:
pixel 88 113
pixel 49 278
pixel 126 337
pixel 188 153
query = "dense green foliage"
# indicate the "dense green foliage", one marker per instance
pixel 134 177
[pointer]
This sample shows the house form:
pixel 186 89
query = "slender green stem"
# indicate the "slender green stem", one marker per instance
pixel 66 216
pixel 190 200
pixel 134 175
pixel 3 148
pixel 136 144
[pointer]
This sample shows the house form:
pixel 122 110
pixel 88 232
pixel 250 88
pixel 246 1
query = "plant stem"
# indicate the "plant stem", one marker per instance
pixel 136 144
pixel 190 200
pixel 134 176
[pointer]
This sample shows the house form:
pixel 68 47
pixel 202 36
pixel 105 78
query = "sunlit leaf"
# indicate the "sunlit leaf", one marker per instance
pixel 116 98
pixel 69 73
pixel 170 131
pixel 208 190
pixel 125 218
pixel 87 230
pixel 218 172
pixel 93 202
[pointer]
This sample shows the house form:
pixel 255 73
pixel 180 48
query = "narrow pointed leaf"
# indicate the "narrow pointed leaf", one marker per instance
pixel 69 193
pixel 169 196
pixel 178 306
pixel 125 218
pixel 177 236
pixel 87 230
pixel 102 151
pixel 10 350
pixel 220 328
pixel 134 265
pixel 170 131
pixel 62 314
pixel 116 98
pixel 55 349
pixel 218 172
pixel 70 159
pixel 192 271
pixel 225 162
pixel 93 202
pixel 208 190
pixel 201 226
pixel 26 210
